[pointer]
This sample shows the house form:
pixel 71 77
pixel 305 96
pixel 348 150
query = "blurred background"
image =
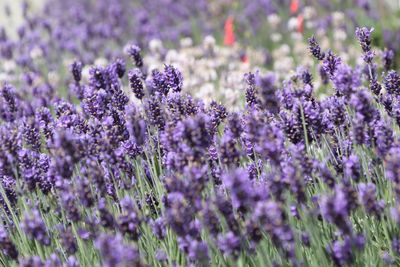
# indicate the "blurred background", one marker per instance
pixel 67 26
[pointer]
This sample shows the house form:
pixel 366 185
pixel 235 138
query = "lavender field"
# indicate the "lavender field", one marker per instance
pixel 199 133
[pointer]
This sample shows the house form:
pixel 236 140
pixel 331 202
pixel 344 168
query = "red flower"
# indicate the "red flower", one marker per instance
pixel 229 37
pixel 294 6
pixel 244 58
pixel 300 24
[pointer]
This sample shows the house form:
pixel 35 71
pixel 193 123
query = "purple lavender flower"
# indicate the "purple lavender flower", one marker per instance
pixel 368 57
pixel 323 74
pixel 135 83
pixel 364 37
pixel 305 76
pixel 69 204
pixel 234 125
pixel 178 213
pixel 129 222
pixel 229 244
pixel 290 177
pixel 33 261
pixel 119 100
pixel 106 218
pixel 134 53
pixel 388 59
pixel 44 119
pixel 396 246
pixel 84 191
pixel 269 99
pixel 210 219
pixel 198 251
pixel 8 94
pixel 392 169
pixel 68 241
pixel 251 92
pixel 315 49
pixel 336 209
pixel 76 70
pixel 7 247
pixel 352 167
pixel 158 227
pixel 229 154
pixel 174 78
pixel 155 112
pixel 120 67
pixel 158 82
pixel 331 63
pixel 387 258
pixel 31 135
pixel 335 108
pixel 217 113
pixel 272 219
pixel 346 80
pixel 33 226
pixel 239 185
pixel 361 101
pixel 97 77
pixel 72 262
pixel 375 86
pixel 367 196
pixel 359 132
pixel 383 137
pixel 115 253
pixel 326 174
pixel 392 82
pixel 341 252
pixel 53 260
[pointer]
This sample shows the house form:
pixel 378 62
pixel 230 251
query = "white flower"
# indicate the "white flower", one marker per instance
pixel 292 23
pixel 274 20
pixel 338 18
pixel 85 73
pixel 36 52
pixel 284 64
pixel 9 65
pixel 309 12
pixel 283 50
pixel 186 42
pixel 53 78
pixel 296 36
pixel 276 37
pixel 339 35
pixel 156 46
pixel 4 77
pixel 172 56
pixel 209 41
pixel 101 61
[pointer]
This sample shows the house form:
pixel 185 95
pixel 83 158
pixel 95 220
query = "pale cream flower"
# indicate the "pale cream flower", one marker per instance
pixel 186 42
pixel 339 35
pixel 156 46
pixel 309 12
pixel 338 18
pixel 9 65
pixel 292 24
pixel 276 37
pixel 274 20
pixel 101 61
pixel 296 36
pixel 53 78
pixel 36 52
pixel 85 73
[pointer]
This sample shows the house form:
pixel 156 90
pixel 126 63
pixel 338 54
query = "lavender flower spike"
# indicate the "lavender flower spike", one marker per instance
pixel 315 49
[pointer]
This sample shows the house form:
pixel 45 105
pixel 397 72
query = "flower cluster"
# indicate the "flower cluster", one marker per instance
pixel 195 157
